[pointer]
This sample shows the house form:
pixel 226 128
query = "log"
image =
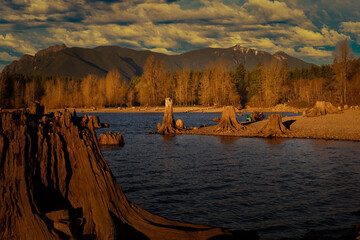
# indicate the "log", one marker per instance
pixel 168 126
pixel 228 121
pixel 274 127
pixel 321 108
pixel 55 184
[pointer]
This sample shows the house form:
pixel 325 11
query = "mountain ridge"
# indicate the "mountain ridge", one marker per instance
pixel 79 62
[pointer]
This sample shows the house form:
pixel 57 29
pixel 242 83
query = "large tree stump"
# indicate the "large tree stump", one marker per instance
pixel 55 184
pixel 228 121
pixel 168 126
pixel 274 127
pixel 321 108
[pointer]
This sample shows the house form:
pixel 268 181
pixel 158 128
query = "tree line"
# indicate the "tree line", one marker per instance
pixel 217 85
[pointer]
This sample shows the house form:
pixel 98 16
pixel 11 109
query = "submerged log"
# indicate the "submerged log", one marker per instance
pixel 321 108
pixel 274 127
pixel 55 184
pixel 110 139
pixel 168 126
pixel 228 120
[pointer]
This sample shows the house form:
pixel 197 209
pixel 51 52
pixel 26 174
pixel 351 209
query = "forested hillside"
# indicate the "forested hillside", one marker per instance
pixel 266 85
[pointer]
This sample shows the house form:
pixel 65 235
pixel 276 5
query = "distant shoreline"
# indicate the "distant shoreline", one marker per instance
pixel 187 109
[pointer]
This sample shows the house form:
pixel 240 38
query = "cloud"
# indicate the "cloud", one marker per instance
pixel 294 26
pixel 6 57
pixel 351 27
pixel 278 12
pixel 19 45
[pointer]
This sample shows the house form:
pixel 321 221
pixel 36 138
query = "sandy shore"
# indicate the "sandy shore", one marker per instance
pixel 177 109
pixel 341 126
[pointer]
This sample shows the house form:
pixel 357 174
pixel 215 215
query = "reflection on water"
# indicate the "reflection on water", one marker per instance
pixel 280 187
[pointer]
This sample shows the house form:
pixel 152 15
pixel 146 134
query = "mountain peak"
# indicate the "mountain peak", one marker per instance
pixel 51 49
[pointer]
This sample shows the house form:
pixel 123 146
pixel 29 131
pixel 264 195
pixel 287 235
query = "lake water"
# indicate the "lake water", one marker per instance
pixel 281 188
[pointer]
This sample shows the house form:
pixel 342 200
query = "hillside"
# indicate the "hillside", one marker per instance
pixel 79 62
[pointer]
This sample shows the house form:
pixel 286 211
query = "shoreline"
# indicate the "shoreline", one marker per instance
pixel 338 126
pixel 180 109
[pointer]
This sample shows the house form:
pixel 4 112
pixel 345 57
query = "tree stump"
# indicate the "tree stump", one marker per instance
pixel 228 121
pixel 55 184
pixel 274 127
pixel 168 126
pixel 179 124
pixel 257 116
pixel 109 139
pixel 321 108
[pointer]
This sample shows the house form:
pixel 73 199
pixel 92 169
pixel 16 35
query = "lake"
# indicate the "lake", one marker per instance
pixel 281 188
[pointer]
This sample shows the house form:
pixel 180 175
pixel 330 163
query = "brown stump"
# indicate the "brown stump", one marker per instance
pixel 168 126
pixel 274 127
pixel 179 124
pixel 257 116
pixel 55 184
pixel 228 121
pixel 109 139
pixel 321 108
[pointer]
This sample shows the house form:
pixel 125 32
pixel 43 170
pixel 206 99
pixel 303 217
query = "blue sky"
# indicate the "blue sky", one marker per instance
pixel 308 29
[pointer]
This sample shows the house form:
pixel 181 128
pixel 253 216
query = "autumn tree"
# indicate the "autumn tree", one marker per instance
pixel 182 87
pixel 274 75
pixel 217 87
pixel 154 85
pixel 343 57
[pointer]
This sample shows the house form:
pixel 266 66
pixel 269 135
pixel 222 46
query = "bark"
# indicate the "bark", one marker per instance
pixel 228 121
pixel 168 126
pixel 274 127
pixel 321 108
pixel 55 184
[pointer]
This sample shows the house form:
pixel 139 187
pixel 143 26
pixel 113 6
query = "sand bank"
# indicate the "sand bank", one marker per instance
pixel 341 126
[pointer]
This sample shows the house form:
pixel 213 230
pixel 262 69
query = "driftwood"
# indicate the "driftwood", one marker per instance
pixel 274 127
pixel 55 184
pixel 321 108
pixel 228 120
pixel 168 126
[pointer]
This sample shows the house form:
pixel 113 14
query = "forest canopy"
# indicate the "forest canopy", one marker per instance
pixel 217 85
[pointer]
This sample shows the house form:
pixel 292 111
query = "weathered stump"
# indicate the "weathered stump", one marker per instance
pixel 110 139
pixel 55 184
pixel 321 108
pixel 228 121
pixel 179 124
pixel 168 126
pixel 257 116
pixel 274 127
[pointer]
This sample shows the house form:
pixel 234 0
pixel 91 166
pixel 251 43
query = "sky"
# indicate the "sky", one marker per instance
pixel 307 29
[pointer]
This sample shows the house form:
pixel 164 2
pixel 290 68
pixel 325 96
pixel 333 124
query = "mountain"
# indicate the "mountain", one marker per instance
pixel 79 62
